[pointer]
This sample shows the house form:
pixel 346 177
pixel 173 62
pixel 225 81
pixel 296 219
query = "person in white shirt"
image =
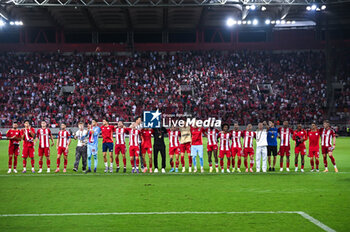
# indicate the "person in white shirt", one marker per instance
pixel 261 147
pixel 81 150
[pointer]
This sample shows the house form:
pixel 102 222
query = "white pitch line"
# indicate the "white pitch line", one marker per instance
pixel 303 214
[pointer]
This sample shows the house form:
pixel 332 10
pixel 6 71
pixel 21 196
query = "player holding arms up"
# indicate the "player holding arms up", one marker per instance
pixel 107 144
pixel 185 147
pixel 236 149
pixel 63 141
pixel 44 135
pixel 248 137
pixel 14 135
pixel 174 149
pixel 314 147
pixel 299 136
pixel 92 144
pixel 284 133
pixel 120 147
pixel 212 147
pixel 328 144
pixel 28 134
pixel 146 148
pixel 225 148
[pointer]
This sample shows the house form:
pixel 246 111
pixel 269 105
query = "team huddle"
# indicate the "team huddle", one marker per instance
pixel 187 140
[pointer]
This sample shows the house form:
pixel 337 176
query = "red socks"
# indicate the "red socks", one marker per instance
pixel 132 163
pixel 325 162
pixel 190 161
pixel 233 163
pixel 117 161
pixel 48 163
pixel 177 164
pixel 312 163
pixel 281 164
pixel 183 161
pixel 172 163
pixel 228 164
pixel 137 162
pixel 124 161
pixel 222 163
pixel 246 163
pixel 150 163
pixel 239 163
pixel 15 162
pixel 251 163
pixel 287 164
pixel 58 162
pixel 65 163
pixel 317 163
pixel 40 164
pixel 10 162
pixel 24 163
pixel 332 159
pixel 32 162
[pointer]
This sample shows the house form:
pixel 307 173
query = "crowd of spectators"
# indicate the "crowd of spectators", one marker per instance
pixel 240 86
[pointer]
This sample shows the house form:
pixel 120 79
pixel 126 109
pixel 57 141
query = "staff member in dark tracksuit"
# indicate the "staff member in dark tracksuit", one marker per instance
pixel 159 146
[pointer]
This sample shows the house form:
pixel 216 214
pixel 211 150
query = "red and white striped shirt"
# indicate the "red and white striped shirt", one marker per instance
pixel 236 139
pixel 212 135
pixel 63 138
pixel 225 141
pixel 134 136
pixel 327 136
pixel 174 138
pixel 43 136
pixel 248 139
pixel 120 136
pixel 285 134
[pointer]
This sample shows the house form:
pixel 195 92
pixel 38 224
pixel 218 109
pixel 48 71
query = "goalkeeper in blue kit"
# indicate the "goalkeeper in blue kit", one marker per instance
pixel 92 145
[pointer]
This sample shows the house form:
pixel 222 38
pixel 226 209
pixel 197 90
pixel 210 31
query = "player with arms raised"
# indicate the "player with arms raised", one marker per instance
pixel 328 144
pixel 92 145
pixel 212 147
pixel 28 134
pixel 236 149
pixel 174 149
pixel 314 146
pixel 225 148
pixel 299 136
pixel 120 147
pixel 14 135
pixel 284 133
pixel 197 146
pixel 63 141
pixel 107 144
pixel 248 137
pixel 44 136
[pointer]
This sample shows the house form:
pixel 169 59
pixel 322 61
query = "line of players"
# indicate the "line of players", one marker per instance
pixel 181 141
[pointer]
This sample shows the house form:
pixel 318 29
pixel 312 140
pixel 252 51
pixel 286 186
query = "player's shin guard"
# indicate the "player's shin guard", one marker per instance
pixel 24 163
pixel 233 162
pixel 239 163
pixel 32 162
pixel 48 163
pixel 287 164
pixel 246 163
pixel 177 164
pixel 312 163
pixel 10 162
pixel 317 163
pixel 171 162
pixel 40 164
pixel 124 162
pixel 332 159
pixel 183 161
pixel 228 163
pixel 189 161
pixel 15 162
pixel 325 161
pixel 137 162
pixel 222 163
pixel 58 162
pixel 251 163
pixel 117 161
pixel 65 162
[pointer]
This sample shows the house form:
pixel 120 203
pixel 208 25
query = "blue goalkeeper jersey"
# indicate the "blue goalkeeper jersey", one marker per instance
pixel 93 139
pixel 272 136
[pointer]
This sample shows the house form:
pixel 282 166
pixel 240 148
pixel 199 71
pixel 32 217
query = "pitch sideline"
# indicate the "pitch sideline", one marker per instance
pixel 301 213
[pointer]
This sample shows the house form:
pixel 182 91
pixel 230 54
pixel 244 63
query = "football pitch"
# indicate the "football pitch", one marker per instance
pixel 270 201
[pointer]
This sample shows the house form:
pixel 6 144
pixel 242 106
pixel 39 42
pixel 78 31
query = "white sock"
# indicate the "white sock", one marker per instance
pixel 137 167
pixel 335 166
pixel 106 164
pixel 111 165
pixel 24 169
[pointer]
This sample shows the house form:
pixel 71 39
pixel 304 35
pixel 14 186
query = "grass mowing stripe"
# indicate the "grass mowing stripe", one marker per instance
pixel 303 214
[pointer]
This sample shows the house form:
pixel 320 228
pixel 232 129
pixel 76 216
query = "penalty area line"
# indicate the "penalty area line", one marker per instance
pixel 301 213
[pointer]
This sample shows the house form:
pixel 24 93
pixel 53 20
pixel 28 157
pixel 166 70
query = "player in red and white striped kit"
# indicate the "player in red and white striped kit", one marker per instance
pixel 328 144
pixel 212 147
pixel 120 147
pixel 63 141
pixel 44 136
pixel 248 137
pixel 284 133
pixel 134 148
pixel 174 148
pixel 28 134
pixel 146 147
pixel 236 148
pixel 225 147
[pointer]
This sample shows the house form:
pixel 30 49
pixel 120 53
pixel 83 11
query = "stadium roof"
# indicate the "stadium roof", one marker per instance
pixel 110 15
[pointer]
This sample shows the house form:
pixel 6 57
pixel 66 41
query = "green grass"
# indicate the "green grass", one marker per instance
pixel 324 196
